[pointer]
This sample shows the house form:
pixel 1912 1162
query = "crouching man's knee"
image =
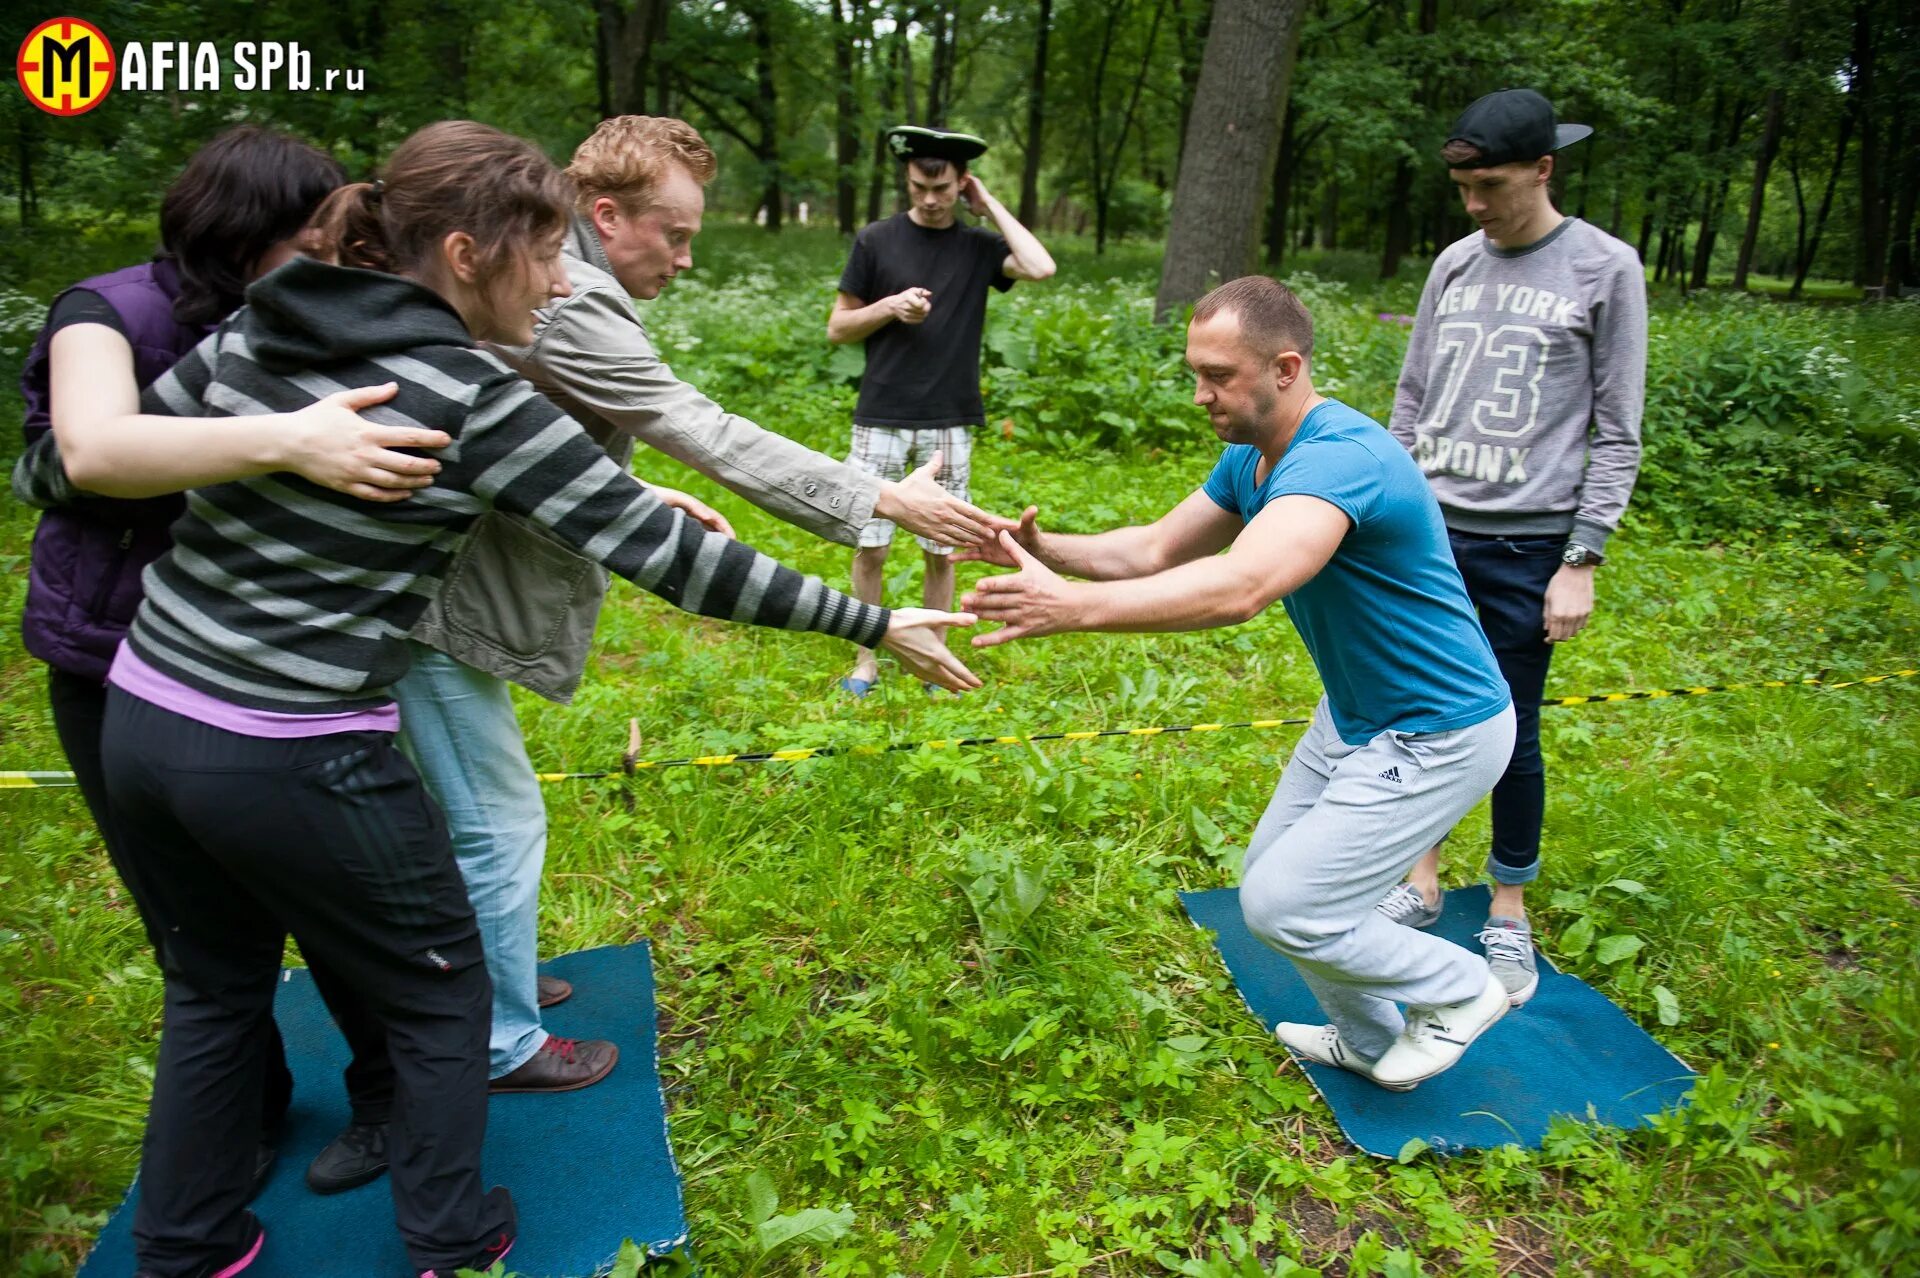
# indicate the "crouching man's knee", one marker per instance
pixel 1277 911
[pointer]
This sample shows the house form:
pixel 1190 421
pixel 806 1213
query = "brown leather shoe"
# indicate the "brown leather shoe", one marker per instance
pixel 561 1065
pixel 553 991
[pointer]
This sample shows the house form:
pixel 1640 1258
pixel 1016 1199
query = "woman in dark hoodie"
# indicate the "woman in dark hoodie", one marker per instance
pixel 249 732
pixel 239 208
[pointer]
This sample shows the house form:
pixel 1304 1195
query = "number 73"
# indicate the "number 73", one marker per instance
pixel 1518 356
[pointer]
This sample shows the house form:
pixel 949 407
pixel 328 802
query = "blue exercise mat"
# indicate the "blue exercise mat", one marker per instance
pixel 587 1168
pixel 1568 1051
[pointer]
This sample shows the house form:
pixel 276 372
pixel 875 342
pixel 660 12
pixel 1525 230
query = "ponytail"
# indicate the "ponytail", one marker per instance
pixel 352 229
pixel 452 176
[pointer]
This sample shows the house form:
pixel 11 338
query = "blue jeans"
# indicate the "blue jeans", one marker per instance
pixel 458 727
pixel 1507 580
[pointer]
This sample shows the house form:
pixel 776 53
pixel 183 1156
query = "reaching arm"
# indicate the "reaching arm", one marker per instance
pixel 521 454
pixel 1196 528
pixel 1027 258
pixel 595 354
pixel 1279 551
pixel 110 448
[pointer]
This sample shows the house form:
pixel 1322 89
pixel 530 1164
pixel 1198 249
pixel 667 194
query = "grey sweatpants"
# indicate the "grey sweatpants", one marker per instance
pixel 1345 824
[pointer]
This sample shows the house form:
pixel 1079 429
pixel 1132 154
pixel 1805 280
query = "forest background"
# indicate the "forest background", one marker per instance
pixel 1734 138
pixel 963 1029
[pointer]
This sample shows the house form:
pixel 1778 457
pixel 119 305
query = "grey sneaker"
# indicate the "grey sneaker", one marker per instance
pixel 1509 947
pixel 1322 1044
pixel 1405 905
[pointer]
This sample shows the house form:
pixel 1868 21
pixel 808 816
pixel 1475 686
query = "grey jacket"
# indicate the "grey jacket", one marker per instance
pixel 519 606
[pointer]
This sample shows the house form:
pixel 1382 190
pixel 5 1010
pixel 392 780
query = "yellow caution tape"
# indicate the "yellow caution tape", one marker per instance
pixel 21 780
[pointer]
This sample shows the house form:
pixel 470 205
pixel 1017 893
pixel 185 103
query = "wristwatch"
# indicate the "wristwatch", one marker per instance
pixel 1576 555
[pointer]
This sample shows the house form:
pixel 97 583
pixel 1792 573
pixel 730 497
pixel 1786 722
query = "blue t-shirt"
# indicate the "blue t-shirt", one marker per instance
pixel 1387 621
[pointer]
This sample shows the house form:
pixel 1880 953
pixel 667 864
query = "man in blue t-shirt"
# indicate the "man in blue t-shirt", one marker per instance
pixel 1318 506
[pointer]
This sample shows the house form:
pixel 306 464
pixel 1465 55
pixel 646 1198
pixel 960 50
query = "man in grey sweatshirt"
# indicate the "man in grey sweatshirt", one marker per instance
pixel 1521 399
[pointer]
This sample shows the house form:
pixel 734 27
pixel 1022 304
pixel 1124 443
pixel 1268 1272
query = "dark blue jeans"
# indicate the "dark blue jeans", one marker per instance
pixel 1507 580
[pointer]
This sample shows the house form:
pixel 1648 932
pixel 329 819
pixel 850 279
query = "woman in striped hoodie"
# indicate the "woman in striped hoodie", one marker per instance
pixel 249 731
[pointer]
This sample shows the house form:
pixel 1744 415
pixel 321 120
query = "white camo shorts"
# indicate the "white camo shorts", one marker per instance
pixel 891 451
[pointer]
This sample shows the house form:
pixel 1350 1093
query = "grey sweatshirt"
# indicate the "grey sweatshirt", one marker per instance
pixel 1522 390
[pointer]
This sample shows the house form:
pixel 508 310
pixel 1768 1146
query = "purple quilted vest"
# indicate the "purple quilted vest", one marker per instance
pixel 84 583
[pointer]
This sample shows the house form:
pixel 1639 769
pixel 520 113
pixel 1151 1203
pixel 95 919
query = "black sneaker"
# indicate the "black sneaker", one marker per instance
pixel 249 1250
pixel 494 1252
pixel 356 1156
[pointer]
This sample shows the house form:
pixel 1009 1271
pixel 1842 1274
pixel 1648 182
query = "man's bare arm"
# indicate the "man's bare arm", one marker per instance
pixel 1027 258
pixel 853 320
pixel 1197 527
pixel 1279 551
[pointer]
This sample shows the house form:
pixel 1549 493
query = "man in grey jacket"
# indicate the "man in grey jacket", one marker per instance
pixel 518 608
pixel 1521 398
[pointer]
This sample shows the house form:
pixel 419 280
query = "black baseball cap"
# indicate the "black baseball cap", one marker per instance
pixel 911 142
pixel 1514 124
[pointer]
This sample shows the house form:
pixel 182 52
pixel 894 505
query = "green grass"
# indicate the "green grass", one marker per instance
pixel 855 1019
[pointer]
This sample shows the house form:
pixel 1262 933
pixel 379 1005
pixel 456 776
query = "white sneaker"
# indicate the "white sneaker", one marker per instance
pixel 1437 1037
pixel 1322 1043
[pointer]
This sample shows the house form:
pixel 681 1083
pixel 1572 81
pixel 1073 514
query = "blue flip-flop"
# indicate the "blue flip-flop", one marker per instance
pixel 858 687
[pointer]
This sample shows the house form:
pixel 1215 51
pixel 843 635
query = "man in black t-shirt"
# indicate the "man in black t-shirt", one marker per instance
pixel 915 291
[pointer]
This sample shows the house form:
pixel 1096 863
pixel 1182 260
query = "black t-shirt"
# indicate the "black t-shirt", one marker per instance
pixel 927 374
pixel 83 306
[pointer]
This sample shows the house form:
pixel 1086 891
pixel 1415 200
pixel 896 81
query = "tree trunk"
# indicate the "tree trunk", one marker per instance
pixel 1330 212
pixel 1106 167
pixel 1036 120
pixel 1713 198
pixel 1871 270
pixel 1399 219
pixel 886 72
pixel 1901 265
pixel 1400 202
pixel 846 137
pixel 767 115
pixel 945 33
pixel 1757 198
pixel 629 32
pixel 1191 38
pixel 1826 204
pixel 1233 137
pixel 1282 201
pixel 602 70
pixel 1800 213
pixel 903 19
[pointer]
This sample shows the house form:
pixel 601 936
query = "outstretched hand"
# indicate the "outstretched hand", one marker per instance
pixel 1026 534
pixel 693 508
pixel 920 505
pixel 330 444
pixel 1031 602
pixel 918 637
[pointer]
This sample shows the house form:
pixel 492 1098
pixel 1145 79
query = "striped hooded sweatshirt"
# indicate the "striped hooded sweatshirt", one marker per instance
pixel 284 596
